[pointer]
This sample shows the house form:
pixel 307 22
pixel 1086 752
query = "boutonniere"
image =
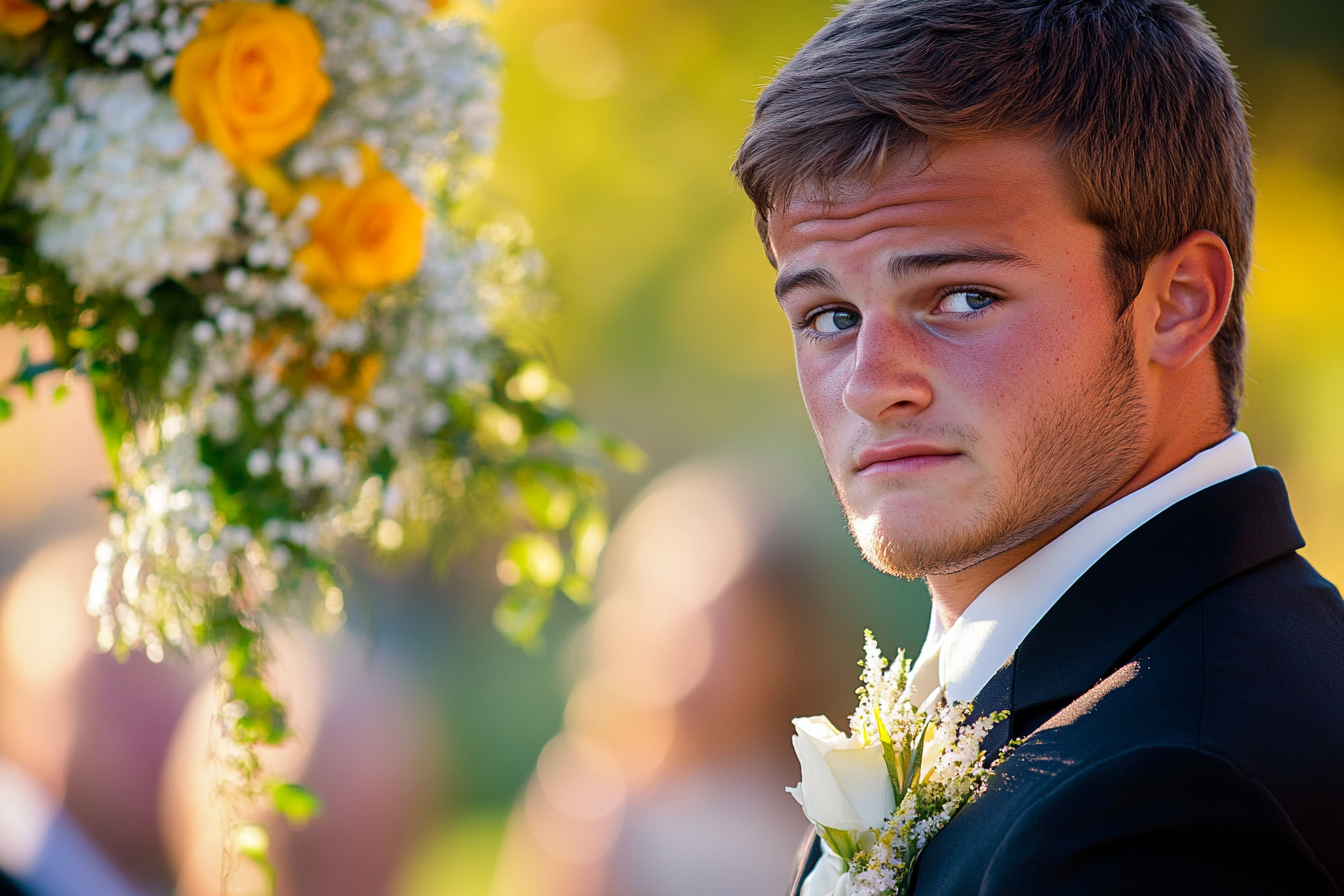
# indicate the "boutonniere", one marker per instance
pixel 878 794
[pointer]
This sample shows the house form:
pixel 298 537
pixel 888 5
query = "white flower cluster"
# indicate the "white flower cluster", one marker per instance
pixel 423 93
pixel 885 694
pixel 274 377
pixel 956 776
pixel 131 197
pixel 949 772
pixel 164 537
pixel 461 287
pixel 169 554
pixel 152 31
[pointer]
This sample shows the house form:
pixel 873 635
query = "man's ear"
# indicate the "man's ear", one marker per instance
pixel 1192 287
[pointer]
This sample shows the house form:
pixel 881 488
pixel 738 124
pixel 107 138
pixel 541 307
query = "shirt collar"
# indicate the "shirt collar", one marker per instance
pixel 987 633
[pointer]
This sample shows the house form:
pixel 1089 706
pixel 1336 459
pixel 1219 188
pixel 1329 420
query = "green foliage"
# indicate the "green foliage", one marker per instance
pixel 253 841
pixel 296 803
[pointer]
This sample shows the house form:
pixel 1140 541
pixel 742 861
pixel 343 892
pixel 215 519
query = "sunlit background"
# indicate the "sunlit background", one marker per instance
pixel 646 750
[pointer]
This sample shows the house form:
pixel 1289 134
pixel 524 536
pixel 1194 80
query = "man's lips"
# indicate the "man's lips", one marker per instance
pixel 902 456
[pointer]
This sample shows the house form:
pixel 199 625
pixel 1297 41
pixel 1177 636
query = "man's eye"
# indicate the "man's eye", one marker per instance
pixel 964 301
pixel 834 320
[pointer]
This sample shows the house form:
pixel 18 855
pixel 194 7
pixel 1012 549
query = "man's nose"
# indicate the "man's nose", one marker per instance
pixel 888 379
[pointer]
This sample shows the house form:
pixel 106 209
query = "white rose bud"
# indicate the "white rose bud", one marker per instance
pixel 845 783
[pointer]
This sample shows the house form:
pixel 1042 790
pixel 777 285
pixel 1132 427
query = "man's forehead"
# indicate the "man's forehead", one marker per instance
pixel 971 185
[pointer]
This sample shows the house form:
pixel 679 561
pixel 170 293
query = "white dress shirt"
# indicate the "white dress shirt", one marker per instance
pixel 44 850
pixel 991 628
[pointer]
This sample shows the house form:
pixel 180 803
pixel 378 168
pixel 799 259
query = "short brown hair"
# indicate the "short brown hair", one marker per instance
pixel 1136 95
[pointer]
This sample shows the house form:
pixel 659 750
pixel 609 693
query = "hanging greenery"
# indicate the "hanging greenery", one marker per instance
pixel 254 229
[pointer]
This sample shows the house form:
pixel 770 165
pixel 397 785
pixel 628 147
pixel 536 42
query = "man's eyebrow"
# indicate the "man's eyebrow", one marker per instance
pixel 902 267
pixel 816 278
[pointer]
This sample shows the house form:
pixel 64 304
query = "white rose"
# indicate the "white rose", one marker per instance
pixel 829 877
pixel 845 783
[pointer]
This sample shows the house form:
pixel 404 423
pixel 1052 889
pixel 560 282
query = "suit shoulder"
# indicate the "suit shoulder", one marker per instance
pixel 1272 641
pixel 1288 586
pixel 1272 647
pixel 1173 814
pixel 1272 692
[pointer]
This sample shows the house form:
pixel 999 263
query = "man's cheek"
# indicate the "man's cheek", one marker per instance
pixel 995 372
pixel 823 388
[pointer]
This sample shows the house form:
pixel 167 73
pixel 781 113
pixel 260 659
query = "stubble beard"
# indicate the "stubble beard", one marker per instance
pixel 1084 447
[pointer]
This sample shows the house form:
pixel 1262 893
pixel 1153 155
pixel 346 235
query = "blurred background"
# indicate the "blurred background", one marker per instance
pixel 646 750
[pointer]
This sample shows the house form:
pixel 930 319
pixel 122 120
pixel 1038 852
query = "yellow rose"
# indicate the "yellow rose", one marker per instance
pixel 20 18
pixel 250 82
pixel 361 239
pixel 349 376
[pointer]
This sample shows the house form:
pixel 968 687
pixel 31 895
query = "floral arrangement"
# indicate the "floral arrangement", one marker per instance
pixel 879 794
pixel 255 228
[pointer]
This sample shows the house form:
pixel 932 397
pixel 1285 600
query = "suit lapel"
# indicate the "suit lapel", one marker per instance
pixel 1128 595
pixel 995 696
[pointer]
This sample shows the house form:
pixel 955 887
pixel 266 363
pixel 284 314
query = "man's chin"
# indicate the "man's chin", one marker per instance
pixel 915 551
pixel 916 560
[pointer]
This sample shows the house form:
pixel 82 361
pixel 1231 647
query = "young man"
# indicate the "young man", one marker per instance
pixel 1013 238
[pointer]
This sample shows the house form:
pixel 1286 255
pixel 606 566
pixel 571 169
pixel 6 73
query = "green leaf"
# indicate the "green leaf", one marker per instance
pixel 253 841
pixel 37 165
pixel 566 431
pixel 6 409
pixel 560 508
pixel 297 803
pixel 589 535
pixel 888 753
pixel 537 559
pixel 28 372
pixel 536 498
pixel 916 757
pixel 9 165
pixel 845 843
pixel 383 463
pixel 623 454
pixel 83 339
pixel 522 613
pixel 577 589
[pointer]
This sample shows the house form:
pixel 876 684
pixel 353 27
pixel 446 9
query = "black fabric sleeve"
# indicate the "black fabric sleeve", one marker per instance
pixel 1157 821
pixel 8 886
pixel 809 851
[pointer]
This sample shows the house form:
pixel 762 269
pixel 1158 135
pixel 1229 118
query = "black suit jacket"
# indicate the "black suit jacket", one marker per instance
pixel 1183 705
pixel 8 887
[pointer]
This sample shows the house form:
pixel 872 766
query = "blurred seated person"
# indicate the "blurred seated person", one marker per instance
pixel 363 742
pixel 82 739
pixel 105 773
pixel 669 775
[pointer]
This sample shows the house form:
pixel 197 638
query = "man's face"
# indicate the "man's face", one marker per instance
pixel 959 353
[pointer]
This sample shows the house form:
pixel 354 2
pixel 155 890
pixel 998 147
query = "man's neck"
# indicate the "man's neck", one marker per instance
pixel 954 592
